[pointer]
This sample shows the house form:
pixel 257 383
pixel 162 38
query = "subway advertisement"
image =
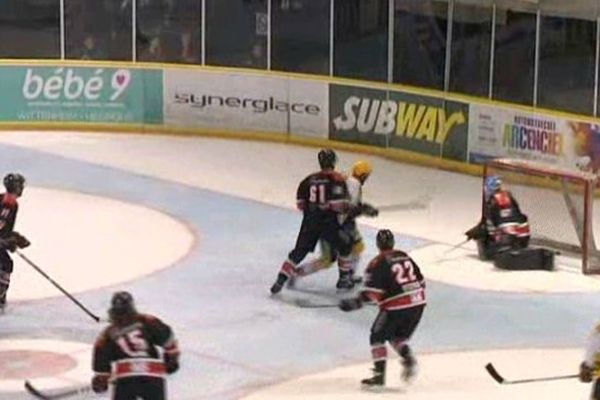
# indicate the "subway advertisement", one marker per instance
pixel 81 94
pixel 496 131
pixel 395 119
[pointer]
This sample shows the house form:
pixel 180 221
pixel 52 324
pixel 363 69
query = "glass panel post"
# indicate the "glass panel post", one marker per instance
pixel 492 53
pixel 536 61
pixel 448 45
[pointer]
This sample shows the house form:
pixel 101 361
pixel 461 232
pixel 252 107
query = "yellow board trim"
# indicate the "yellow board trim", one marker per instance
pixel 276 137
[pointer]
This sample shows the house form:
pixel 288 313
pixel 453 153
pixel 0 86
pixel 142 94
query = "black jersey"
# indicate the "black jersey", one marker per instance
pixel 503 208
pixel 8 214
pixel 323 193
pixel 125 351
pixel 394 281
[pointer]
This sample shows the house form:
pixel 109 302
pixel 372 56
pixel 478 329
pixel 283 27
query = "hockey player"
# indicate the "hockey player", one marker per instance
pixel 322 197
pixel 589 368
pixel 361 170
pixel 126 353
pixel 395 283
pixel 503 233
pixel 9 239
pixel 503 226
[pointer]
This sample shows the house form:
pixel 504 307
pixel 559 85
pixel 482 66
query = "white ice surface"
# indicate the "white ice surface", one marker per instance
pixel 123 241
pixel 446 203
pixel 446 376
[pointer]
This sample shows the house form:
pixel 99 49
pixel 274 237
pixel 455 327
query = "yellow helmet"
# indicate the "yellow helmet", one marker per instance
pixel 361 169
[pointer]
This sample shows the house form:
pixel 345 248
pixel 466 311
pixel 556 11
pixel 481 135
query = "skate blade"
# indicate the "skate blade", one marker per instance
pixel 373 388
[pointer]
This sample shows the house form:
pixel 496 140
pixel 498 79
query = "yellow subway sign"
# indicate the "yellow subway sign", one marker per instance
pixel 397 119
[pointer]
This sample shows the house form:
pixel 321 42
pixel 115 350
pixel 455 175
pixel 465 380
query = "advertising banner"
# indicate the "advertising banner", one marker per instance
pixel 504 132
pixel 81 94
pixel 401 120
pixel 245 102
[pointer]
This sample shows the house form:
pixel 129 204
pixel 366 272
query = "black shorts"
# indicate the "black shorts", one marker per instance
pixel 6 262
pixel 140 387
pixel 396 325
pixel 314 229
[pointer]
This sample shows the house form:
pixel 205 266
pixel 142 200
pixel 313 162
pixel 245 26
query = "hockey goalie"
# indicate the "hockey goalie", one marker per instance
pixel 503 233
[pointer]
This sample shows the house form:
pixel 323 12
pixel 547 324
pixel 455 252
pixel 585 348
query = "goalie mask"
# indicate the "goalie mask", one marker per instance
pixel 492 184
pixel 122 307
pixel 14 183
pixel 385 240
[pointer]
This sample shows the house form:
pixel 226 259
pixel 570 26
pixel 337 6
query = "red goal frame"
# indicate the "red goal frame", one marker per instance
pixel 587 181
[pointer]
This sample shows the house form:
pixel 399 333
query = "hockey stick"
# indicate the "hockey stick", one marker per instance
pixel 76 391
pixel 306 303
pixel 498 378
pixel 52 281
pixel 456 246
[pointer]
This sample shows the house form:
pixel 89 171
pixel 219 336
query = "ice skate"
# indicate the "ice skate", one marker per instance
pixel 278 285
pixel 409 368
pixel 376 382
pixel 345 284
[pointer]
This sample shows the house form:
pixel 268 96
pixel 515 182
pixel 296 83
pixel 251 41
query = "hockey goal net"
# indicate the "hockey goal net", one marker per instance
pixel 559 205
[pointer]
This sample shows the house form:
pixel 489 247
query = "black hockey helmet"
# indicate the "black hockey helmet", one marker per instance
pixel 14 183
pixel 121 306
pixel 327 159
pixel 385 239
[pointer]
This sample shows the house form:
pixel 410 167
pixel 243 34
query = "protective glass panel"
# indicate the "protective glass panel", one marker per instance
pixel 236 33
pixel 567 63
pixel 29 29
pixel 514 55
pixel 420 42
pixel 300 36
pixel 169 30
pixel 471 42
pixel 361 39
pixel 98 30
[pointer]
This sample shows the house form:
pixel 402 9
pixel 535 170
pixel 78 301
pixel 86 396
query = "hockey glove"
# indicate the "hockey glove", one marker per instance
pixel 20 241
pixel 350 304
pixel 476 232
pixel 585 373
pixel 171 363
pixel 8 244
pixel 100 383
pixel 369 210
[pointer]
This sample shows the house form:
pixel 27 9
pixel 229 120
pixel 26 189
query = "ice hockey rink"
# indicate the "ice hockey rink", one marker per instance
pixel 196 229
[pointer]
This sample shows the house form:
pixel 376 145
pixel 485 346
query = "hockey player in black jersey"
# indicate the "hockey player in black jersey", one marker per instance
pixel 9 239
pixel 395 283
pixel 126 353
pixel 503 233
pixel 361 170
pixel 322 197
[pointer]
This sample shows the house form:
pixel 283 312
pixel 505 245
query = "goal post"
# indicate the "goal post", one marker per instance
pixel 559 204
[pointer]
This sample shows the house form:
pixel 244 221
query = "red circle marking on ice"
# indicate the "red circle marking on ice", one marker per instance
pixel 30 364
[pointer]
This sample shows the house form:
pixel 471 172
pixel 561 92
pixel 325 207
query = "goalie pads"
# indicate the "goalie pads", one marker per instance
pixel 529 259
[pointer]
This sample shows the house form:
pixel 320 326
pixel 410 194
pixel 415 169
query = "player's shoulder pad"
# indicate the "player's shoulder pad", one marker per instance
pixel 103 337
pixel 375 262
pixel 401 254
pixel 9 200
pixel 338 176
pixel 147 318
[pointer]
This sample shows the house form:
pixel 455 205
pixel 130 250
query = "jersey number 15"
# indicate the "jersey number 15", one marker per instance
pixel 133 344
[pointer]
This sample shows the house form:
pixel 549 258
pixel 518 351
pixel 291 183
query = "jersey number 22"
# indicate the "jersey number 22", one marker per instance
pixel 404 272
